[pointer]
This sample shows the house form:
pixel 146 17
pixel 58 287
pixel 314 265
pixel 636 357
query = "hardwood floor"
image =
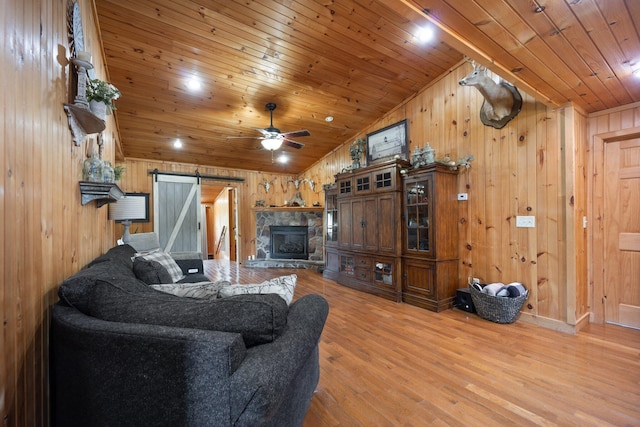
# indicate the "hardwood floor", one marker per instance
pixel 390 364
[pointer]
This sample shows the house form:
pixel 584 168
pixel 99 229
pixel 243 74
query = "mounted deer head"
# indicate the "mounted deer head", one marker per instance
pixel 502 101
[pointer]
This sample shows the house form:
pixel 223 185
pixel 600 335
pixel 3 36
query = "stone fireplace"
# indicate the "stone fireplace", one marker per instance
pixel 306 221
pixel 289 242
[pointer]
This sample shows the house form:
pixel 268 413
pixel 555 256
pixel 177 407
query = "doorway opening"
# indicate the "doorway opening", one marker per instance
pixel 219 203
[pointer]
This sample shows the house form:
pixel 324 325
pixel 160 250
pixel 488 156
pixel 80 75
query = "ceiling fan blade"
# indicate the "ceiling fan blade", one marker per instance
pixel 297 133
pixel 244 137
pixel 292 144
pixel 269 132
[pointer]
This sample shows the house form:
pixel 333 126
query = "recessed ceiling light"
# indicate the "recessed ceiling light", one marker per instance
pixel 177 143
pixel 193 83
pixel 424 34
pixel 636 73
pixel 282 158
pixel 328 119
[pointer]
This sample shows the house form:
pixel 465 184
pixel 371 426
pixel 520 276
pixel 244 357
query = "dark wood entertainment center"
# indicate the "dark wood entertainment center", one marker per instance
pixel 392 231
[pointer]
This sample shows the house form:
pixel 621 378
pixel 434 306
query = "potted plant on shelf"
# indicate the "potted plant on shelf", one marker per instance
pixel 101 95
pixel 356 150
pixel 118 171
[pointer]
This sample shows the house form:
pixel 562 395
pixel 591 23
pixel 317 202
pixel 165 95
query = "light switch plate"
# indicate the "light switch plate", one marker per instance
pixel 525 221
pixel 463 196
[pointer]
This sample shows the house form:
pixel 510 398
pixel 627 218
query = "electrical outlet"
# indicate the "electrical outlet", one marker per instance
pixel 473 280
pixel 525 221
pixel 463 196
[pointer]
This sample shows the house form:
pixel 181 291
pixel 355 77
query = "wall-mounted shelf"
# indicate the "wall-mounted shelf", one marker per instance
pixel 81 120
pixel 101 192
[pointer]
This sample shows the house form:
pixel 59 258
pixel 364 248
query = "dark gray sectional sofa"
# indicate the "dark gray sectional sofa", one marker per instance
pixel 124 354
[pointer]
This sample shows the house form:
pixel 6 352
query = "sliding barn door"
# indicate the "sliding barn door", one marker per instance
pixel 177 213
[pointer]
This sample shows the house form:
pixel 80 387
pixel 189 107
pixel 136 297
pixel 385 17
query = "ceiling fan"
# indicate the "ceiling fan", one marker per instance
pixel 272 138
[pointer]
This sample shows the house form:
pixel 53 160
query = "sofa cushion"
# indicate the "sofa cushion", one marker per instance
pixel 76 289
pixel 151 272
pixel 258 318
pixel 283 286
pixel 166 261
pixel 121 253
pixel 199 290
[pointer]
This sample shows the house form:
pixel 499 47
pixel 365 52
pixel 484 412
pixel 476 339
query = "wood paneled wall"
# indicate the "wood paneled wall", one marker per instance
pixel 46 233
pixel 535 165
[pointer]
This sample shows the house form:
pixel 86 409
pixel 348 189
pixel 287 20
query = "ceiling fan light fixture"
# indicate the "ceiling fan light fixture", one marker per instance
pixel 271 143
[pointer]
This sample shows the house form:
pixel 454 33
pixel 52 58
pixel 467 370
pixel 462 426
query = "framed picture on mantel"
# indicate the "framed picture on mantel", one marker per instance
pixel 387 143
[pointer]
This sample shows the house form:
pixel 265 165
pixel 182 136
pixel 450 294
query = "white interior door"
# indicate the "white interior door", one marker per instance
pixel 177 213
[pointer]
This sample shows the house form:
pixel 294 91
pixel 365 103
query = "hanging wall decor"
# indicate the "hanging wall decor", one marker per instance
pixel 502 101
pixel 388 143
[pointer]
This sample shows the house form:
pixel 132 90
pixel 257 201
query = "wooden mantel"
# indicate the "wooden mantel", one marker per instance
pixel 287 208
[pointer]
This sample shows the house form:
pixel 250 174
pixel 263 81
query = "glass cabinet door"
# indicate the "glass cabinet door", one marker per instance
pixel 331 204
pixel 418 215
pixel 383 272
pixel 347 265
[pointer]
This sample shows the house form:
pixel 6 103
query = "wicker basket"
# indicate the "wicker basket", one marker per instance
pixel 497 309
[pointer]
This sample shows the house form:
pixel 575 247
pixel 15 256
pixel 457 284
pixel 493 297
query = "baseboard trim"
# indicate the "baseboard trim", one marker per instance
pixel 556 325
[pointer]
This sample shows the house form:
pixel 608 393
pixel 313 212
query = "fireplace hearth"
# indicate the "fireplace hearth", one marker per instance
pixel 289 242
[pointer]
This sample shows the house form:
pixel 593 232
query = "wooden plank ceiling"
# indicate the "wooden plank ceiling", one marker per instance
pixel 354 60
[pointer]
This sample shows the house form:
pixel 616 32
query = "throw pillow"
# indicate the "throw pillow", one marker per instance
pixel 282 286
pixel 166 261
pixel 200 290
pixel 150 272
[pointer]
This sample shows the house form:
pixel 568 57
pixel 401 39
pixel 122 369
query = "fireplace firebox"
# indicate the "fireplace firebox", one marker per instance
pixel 289 242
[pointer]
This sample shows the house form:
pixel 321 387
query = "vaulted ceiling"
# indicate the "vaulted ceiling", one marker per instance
pixel 353 60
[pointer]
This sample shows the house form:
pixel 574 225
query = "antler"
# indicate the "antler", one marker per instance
pixel 311 184
pixel 296 182
pixel 267 184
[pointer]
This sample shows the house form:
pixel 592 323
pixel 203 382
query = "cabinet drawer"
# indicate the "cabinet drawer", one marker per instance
pixel 363 274
pixel 363 262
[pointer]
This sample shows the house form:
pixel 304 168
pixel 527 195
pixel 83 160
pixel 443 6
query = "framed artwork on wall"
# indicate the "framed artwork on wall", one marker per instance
pixel 387 143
